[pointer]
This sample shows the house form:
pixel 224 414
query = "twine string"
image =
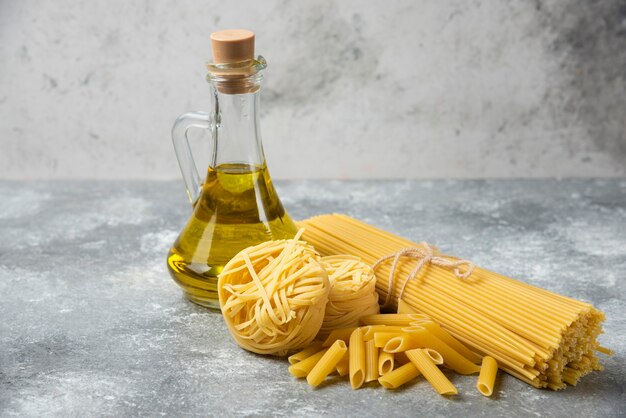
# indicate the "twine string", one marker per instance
pixel 425 255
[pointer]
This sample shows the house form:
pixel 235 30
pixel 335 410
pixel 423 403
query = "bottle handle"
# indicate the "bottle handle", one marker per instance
pixel 193 181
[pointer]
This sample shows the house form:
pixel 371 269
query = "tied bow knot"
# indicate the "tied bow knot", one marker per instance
pixel 425 255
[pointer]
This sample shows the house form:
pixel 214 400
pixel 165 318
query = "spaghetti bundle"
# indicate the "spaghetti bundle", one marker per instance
pixel 273 296
pixel 540 337
pixel 352 292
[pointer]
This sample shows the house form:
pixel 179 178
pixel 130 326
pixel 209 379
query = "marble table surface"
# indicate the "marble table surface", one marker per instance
pixel 92 324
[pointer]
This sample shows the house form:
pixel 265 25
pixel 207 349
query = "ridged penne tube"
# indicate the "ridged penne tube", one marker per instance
pixel 356 351
pixel 371 361
pixel 338 334
pixel 419 322
pixel 399 376
pixel 605 350
pixel 401 342
pixel 455 344
pixel 327 364
pixel 422 338
pixel 487 376
pixel 307 352
pixel 370 330
pixel 386 362
pixel 434 356
pixel 382 338
pixel 392 319
pixel 343 367
pixel 423 362
pixel 302 368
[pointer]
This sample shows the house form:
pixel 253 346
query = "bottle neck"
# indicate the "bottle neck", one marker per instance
pixel 236 129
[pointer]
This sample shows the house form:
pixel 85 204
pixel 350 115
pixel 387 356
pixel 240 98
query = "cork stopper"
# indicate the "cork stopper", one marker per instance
pixel 234 65
pixel 232 45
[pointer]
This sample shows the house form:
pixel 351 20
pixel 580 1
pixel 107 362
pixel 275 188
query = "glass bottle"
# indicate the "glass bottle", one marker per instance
pixel 236 206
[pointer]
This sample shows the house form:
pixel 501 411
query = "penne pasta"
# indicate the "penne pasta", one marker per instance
pixel 455 344
pixel 338 334
pixel 422 338
pixel 343 367
pixel 399 376
pixel 370 330
pixel 307 352
pixel 434 356
pixel 302 368
pixel 400 342
pixel 386 362
pixel 487 376
pixel 422 361
pixel 382 338
pixel 393 319
pixel 356 352
pixel 371 361
pixel 327 363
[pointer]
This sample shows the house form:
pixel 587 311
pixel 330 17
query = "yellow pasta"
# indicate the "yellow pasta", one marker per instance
pixel 382 338
pixel 434 356
pixel 370 330
pixel 386 362
pixel 422 338
pixel 405 308
pixel 457 346
pixel 540 337
pixel 338 334
pixel 399 376
pixel 371 361
pixel 343 367
pixel 273 296
pixel 605 350
pixel 364 362
pixel 402 341
pixel 302 368
pixel 352 292
pixel 421 359
pixel 356 351
pixel 307 352
pixel 327 363
pixel 487 376
pixel 392 319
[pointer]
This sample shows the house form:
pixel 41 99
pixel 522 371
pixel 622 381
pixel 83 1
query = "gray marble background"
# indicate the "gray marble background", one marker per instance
pixel 354 89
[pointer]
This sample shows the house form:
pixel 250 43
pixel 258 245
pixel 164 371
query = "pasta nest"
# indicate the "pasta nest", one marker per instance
pixel 273 296
pixel 352 292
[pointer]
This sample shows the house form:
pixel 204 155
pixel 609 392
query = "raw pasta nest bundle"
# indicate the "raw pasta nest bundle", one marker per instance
pixel 352 292
pixel 273 296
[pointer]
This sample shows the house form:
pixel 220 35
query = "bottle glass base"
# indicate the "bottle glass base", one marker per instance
pixel 201 290
pixel 206 301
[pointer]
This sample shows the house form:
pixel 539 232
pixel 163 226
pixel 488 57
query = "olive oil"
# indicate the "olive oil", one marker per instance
pixel 237 207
